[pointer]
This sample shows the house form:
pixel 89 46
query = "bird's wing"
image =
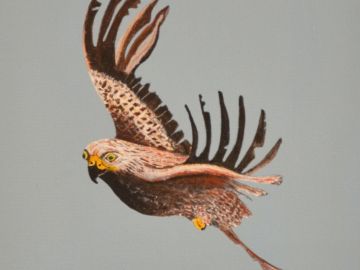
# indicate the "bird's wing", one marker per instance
pixel 227 171
pixel 222 175
pixel 223 157
pixel 139 115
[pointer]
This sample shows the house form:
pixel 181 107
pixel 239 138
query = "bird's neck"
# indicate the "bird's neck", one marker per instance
pixel 130 190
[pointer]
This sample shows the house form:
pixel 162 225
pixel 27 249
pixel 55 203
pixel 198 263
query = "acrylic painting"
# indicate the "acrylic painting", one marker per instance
pixel 172 135
pixel 149 164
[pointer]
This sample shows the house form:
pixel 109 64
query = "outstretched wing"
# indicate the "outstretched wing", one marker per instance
pixel 225 165
pixel 139 115
pixel 231 161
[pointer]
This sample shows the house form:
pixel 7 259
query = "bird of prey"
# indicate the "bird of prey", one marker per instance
pixel 149 165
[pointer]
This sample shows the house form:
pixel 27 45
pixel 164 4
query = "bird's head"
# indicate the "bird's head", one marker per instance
pixel 104 156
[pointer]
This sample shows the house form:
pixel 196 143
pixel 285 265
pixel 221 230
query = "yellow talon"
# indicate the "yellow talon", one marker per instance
pixel 199 224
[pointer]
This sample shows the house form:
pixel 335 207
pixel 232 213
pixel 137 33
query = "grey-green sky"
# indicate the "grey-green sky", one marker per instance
pixel 298 60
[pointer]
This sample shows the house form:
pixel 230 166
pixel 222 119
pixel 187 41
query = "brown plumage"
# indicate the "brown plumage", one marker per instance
pixel 149 165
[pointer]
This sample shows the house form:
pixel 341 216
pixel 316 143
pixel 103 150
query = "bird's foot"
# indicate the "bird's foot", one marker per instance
pixel 199 223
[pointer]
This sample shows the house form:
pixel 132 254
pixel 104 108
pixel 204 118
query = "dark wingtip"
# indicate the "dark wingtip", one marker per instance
pixel 267 159
pixel 235 152
pixel 195 135
pixel 95 4
pixel 231 160
pixel 224 133
pixel 166 10
pixel 263 114
pixel 207 120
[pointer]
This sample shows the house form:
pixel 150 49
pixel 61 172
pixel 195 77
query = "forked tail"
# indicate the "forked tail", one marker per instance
pixel 263 263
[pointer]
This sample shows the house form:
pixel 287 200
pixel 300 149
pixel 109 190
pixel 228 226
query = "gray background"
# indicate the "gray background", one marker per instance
pixel 299 60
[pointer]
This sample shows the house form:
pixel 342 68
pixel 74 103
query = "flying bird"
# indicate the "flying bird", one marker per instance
pixel 149 165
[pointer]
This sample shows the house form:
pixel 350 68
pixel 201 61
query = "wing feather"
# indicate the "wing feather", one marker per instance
pixel 138 113
pixel 231 160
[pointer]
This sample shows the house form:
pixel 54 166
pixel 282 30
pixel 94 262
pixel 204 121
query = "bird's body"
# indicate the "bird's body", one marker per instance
pixel 199 194
pixel 148 164
pixel 183 196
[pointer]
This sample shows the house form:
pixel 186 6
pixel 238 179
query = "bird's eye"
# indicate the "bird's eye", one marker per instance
pixel 85 154
pixel 111 157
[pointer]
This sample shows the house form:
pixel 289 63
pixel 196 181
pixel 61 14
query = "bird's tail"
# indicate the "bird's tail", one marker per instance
pixel 263 263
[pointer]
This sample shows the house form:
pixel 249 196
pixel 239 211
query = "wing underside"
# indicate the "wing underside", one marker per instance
pixel 138 113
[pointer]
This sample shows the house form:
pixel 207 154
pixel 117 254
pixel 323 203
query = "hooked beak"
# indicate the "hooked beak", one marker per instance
pixel 94 173
pixel 96 166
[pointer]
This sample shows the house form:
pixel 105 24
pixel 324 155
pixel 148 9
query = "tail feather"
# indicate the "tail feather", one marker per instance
pixel 263 263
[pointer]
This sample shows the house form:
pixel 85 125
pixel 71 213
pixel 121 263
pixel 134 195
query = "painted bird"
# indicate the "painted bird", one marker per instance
pixel 148 164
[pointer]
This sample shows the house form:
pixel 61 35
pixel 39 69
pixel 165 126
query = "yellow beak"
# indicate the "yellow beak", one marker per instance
pixel 97 167
pixel 96 161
